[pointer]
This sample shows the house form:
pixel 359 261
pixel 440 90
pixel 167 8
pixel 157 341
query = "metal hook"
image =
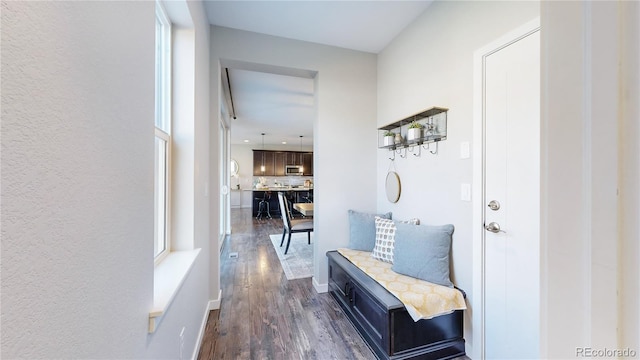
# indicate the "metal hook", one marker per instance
pixel 419 152
pixel 394 155
pixel 428 147
pixel 431 151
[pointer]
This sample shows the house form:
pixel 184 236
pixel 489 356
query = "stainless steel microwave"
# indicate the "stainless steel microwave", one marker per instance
pixel 293 170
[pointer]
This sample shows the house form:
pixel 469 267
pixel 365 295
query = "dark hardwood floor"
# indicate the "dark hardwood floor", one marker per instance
pixel 263 315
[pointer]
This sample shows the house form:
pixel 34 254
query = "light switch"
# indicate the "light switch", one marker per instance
pixel 465 192
pixel 464 150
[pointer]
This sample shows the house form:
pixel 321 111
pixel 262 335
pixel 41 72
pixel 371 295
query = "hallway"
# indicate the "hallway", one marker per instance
pixel 264 316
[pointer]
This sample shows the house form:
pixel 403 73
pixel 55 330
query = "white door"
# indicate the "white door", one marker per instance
pixel 512 200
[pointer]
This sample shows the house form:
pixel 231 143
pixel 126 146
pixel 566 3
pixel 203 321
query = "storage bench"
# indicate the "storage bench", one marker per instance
pixel 384 323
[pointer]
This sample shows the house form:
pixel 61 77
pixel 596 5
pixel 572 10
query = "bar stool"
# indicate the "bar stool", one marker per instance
pixel 263 206
pixel 309 197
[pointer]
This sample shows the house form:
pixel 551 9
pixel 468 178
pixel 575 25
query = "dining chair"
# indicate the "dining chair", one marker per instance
pixel 292 226
pixel 289 199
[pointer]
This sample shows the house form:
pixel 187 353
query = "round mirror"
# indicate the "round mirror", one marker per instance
pixel 234 167
pixel 392 186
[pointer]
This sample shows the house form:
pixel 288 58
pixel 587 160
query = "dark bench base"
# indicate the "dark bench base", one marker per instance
pixel 385 324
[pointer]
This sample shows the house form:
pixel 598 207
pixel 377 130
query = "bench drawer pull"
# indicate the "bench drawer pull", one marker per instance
pixel 347 291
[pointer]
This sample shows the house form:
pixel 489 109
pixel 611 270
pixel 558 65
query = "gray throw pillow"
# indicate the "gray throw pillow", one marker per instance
pixel 362 230
pixel 423 252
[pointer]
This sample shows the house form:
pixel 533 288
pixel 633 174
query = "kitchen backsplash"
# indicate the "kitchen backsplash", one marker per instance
pixel 282 180
pixel 241 182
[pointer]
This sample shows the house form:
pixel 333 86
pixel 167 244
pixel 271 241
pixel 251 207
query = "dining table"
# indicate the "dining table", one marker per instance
pixel 305 209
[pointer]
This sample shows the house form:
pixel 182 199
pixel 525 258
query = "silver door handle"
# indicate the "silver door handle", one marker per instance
pixel 493 227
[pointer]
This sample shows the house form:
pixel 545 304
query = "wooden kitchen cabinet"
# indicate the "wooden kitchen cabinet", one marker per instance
pixel 280 160
pixel 275 162
pixel 266 157
pixel 307 163
pixel 293 158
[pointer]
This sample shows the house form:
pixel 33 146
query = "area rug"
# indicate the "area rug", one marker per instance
pixel 298 263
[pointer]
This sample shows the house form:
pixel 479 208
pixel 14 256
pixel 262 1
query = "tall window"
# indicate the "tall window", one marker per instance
pixel 162 133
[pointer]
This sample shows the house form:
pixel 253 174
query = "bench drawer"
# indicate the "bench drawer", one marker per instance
pixel 372 315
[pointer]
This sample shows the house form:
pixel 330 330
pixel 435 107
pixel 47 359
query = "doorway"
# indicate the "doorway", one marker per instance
pixel 507 196
pixel 272 112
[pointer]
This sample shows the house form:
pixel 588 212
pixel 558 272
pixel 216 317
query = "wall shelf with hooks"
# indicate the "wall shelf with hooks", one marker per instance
pixel 426 127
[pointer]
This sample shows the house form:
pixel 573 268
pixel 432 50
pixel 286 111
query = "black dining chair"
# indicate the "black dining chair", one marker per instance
pixel 292 226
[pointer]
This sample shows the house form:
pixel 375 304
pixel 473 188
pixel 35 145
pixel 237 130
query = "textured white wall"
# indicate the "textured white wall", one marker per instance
pixel 77 183
pixel 77 178
pixel 431 64
pixel 344 130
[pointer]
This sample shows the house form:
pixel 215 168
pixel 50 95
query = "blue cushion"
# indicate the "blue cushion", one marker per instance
pixel 362 230
pixel 423 252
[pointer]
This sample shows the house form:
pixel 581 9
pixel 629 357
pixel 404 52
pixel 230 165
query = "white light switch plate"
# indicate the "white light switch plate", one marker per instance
pixel 465 153
pixel 465 192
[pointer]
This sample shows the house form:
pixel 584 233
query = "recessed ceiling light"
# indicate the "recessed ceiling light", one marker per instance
pixel 284 143
pixel 245 140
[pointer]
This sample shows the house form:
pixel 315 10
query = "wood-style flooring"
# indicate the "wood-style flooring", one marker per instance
pixel 263 315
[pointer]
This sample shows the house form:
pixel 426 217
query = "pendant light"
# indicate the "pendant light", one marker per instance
pixel 301 158
pixel 262 168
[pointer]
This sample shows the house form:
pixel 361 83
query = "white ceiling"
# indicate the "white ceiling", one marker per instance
pixel 280 105
pixel 359 25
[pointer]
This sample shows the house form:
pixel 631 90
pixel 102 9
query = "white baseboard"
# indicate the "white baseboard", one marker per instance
pixel 215 304
pixel 320 288
pixel 203 326
pixel 211 305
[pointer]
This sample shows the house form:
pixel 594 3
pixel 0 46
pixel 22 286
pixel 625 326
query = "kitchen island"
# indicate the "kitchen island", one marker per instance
pixel 292 193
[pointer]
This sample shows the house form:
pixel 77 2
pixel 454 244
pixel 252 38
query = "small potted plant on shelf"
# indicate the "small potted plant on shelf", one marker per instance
pixel 415 131
pixel 389 138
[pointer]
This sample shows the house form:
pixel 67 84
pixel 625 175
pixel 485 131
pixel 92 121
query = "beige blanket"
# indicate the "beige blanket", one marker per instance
pixel 422 299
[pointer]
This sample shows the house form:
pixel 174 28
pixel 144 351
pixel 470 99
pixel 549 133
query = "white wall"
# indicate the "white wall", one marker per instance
pixel 344 129
pixel 431 64
pixel 590 204
pixel 629 172
pixel 77 183
pixel 243 154
pixel 202 123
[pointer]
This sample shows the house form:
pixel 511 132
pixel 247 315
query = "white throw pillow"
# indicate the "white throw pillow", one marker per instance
pixel 385 238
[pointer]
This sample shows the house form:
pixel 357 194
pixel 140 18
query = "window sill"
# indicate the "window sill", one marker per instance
pixel 167 279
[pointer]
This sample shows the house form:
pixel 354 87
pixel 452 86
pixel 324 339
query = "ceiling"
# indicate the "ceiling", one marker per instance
pixel 280 105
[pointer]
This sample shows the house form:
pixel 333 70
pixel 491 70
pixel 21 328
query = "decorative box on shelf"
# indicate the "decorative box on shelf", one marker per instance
pixel 425 127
